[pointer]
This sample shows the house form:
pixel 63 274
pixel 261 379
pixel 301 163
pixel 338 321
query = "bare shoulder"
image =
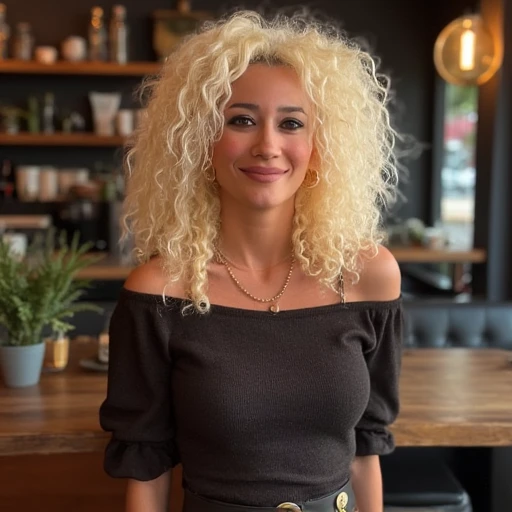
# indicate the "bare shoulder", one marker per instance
pixel 380 278
pixel 150 278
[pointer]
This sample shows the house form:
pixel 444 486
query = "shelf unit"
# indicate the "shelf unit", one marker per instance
pixel 14 67
pixel 61 139
pixel 110 268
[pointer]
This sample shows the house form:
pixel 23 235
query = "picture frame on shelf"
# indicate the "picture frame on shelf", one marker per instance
pixel 171 26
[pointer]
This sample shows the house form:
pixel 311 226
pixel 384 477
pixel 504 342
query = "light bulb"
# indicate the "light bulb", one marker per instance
pixel 467 50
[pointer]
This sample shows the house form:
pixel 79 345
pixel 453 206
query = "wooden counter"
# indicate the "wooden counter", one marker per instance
pixel 449 397
pixel 455 397
pixel 109 268
pixel 59 415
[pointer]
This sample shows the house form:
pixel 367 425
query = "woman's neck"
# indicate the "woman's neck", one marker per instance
pixel 256 240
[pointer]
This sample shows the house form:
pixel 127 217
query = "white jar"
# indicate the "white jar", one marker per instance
pixel 27 182
pixel 48 184
pixel 17 243
pixel 46 54
pixel 124 122
pixel 66 179
pixel 74 49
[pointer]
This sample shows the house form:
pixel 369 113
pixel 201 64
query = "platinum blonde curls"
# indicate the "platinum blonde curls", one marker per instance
pixel 170 207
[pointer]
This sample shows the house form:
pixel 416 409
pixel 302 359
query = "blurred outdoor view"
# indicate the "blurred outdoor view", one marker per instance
pixel 458 174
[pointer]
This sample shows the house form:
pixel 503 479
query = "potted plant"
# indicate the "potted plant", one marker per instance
pixel 38 292
pixel 11 118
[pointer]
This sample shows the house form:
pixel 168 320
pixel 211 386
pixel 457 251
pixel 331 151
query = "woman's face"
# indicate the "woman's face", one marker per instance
pixel 265 148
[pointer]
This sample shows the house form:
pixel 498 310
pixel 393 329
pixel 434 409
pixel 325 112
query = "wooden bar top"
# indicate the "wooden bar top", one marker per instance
pixel 110 268
pixel 449 397
pixel 455 397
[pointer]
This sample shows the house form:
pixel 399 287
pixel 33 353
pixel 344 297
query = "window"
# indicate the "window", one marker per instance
pixel 458 172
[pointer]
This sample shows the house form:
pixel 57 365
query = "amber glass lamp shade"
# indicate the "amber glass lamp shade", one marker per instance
pixel 465 52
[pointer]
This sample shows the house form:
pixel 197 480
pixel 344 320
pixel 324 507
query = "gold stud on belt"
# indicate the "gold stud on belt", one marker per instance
pixel 287 506
pixel 342 501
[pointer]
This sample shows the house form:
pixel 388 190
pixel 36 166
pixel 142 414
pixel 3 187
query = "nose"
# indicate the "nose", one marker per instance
pixel 267 143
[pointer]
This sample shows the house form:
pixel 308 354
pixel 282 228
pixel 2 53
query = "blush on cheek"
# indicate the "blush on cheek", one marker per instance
pixel 227 149
pixel 301 153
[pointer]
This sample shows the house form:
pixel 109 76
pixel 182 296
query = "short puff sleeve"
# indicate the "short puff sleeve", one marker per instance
pixel 138 406
pixel 383 360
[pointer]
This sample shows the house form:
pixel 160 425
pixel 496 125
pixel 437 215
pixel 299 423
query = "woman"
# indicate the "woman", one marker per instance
pixel 258 343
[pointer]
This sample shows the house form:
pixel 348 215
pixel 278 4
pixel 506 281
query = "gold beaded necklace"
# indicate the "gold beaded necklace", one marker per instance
pixel 274 307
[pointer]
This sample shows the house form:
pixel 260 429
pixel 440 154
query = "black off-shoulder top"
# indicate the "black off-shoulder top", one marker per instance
pixel 258 407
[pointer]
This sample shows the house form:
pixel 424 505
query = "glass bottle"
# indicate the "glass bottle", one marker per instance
pixel 6 179
pixel 49 113
pixel 33 115
pixel 23 42
pixel 103 340
pixel 5 33
pixel 118 35
pixel 97 36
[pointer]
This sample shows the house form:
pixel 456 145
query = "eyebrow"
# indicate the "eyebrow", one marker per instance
pixel 252 106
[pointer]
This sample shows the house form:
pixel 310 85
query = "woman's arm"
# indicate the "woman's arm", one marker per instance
pixel 366 481
pixel 150 496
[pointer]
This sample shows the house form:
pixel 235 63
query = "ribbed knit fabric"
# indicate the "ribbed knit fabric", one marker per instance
pixel 260 408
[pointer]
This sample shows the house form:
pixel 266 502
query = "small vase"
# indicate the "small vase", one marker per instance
pixel 21 366
pixel 56 354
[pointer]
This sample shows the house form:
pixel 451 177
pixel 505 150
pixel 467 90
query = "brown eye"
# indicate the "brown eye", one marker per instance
pixel 241 121
pixel 291 124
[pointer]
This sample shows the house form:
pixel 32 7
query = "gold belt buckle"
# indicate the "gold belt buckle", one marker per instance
pixel 288 506
pixel 342 501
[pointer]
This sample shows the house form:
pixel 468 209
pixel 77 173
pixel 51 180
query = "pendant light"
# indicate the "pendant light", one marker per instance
pixel 465 52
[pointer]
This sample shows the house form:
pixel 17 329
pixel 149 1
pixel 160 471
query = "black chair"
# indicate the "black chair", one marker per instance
pixel 422 485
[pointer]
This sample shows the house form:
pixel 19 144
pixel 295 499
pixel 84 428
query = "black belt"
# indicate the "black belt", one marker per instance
pixel 340 501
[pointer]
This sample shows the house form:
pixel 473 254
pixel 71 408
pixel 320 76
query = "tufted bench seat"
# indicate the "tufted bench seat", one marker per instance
pixel 452 324
pixel 427 324
pixel 426 484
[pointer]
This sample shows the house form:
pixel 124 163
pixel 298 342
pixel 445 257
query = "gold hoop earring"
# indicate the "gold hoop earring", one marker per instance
pixel 312 179
pixel 209 174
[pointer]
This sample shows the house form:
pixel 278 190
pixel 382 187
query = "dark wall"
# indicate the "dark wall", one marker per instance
pixel 493 208
pixel 400 32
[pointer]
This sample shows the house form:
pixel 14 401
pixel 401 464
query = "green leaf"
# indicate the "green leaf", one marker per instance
pixel 42 290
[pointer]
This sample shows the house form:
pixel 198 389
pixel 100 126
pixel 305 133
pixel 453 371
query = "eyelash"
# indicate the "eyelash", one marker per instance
pixel 235 121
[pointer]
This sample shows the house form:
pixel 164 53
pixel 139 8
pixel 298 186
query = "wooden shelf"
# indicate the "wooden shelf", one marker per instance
pixel 425 255
pixel 25 221
pixel 60 139
pixel 79 68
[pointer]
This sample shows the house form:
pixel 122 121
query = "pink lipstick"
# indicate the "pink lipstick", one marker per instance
pixel 263 174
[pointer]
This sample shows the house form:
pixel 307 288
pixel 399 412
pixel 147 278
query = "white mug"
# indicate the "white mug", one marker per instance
pixel 74 49
pixel 46 54
pixel 27 182
pixel 81 176
pixel 124 122
pixel 66 179
pixel 48 184
pixel 17 243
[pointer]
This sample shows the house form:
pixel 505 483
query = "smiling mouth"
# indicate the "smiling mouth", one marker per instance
pixel 263 170
pixel 263 174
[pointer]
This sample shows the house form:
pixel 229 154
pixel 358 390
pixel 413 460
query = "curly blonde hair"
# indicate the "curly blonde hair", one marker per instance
pixel 173 210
